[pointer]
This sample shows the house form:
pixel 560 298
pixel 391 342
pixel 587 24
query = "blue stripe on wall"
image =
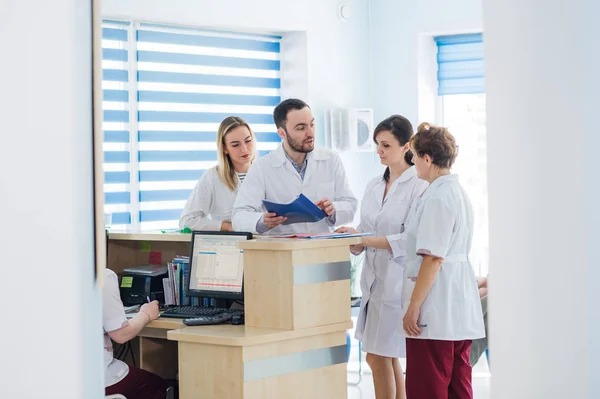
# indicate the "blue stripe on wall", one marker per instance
pixel 260 36
pixel 170 175
pixel 114 34
pixel 211 80
pixel 179 137
pixel 121 23
pixel 459 39
pixel 200 137
pixel 460 52
pixel 115 75
pixel 460 64
pixel 177 156
pixel 116 156
pixel 111 54
pixel 164 195
pixel 116 116
pixel 207 98
pixel 267 137
pixel 263 153
pixel 207 41
pixel 121 218
pixel 160 215
pixel 116 95
pixel 198 117
pixel 116 177
pixel 116 136
pixel 207 60
pixel 117 198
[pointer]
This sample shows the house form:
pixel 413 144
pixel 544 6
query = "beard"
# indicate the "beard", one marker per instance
pixel 300 146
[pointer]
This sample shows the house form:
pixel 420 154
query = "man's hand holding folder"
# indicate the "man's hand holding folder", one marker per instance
pixel 301 210
pixel 326 206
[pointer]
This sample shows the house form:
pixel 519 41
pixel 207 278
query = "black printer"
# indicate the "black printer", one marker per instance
pixel 139 283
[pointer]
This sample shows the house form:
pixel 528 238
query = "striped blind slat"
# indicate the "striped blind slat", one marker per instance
pixel 460 64
pixel 188 81
pixel 116 116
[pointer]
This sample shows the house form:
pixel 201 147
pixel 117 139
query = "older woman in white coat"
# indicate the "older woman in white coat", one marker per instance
pixel 385 205
pixel 441 299
pixel 210 204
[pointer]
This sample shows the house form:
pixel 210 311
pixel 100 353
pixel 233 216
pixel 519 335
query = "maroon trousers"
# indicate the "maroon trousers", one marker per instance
pixel 139 384
pixel 438 369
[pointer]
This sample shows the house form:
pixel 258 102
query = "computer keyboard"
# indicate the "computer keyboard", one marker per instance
pixel 184 312
pixel 207 320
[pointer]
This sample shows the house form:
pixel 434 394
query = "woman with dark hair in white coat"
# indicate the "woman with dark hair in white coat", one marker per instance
pixel 384 208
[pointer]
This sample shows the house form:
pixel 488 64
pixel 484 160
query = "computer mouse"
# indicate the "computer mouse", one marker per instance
pixel 237 319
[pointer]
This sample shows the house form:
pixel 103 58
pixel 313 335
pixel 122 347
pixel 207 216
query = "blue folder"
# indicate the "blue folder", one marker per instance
pixel 301 210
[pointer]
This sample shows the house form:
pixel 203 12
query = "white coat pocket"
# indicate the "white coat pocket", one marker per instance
pixel 393 282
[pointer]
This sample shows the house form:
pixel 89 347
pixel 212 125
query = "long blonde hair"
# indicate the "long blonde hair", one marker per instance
pixel 225 168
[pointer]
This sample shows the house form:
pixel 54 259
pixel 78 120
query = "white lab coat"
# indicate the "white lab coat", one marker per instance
pixel 209 204
pixel 274 178
pixel 441 225
pixel 381 280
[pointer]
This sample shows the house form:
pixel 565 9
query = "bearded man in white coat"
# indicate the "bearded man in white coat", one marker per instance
pixel 295 167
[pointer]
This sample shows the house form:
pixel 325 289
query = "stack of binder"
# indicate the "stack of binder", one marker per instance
pixel 175 284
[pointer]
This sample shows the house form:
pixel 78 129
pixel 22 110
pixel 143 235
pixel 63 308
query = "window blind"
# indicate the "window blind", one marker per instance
pixel 460 64
pixel 166 90
pixel 188 81
pixel 116 127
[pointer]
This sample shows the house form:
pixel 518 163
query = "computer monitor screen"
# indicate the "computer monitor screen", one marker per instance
pixel 217 265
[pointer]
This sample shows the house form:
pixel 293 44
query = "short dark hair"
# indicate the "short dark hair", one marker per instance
pixel 280 112
pixel 437 142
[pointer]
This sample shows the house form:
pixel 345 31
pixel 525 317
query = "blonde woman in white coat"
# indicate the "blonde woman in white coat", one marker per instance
pixel 210 204
pixel 384 208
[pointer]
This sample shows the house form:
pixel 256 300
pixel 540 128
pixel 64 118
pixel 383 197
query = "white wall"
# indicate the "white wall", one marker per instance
pixel 542 88
pixel 263 16
pixel 398 40
pixel 333 69
pixel 339 75
pixel 51 336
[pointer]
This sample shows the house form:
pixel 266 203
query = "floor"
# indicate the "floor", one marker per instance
pixel 365 390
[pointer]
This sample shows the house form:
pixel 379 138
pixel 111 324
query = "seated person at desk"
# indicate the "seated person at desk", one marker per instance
pixel 121 379
pixel 295 167
pixel 211 202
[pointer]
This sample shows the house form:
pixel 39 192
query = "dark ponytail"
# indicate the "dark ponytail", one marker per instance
pixel 402 130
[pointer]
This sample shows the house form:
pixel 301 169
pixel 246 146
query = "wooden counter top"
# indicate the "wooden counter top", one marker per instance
pixel 228 335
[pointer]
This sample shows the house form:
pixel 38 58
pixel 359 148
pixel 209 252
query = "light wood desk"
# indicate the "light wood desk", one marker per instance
pixel 297 305
pixel 231 362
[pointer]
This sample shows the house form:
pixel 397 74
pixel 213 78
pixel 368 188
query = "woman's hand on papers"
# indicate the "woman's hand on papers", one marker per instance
pixel 326 206
pixel 346 229
pixel 271 220
pixel 355 249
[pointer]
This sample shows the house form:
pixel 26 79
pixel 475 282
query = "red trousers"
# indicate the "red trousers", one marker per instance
pixel 438 369
pixel 139 384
